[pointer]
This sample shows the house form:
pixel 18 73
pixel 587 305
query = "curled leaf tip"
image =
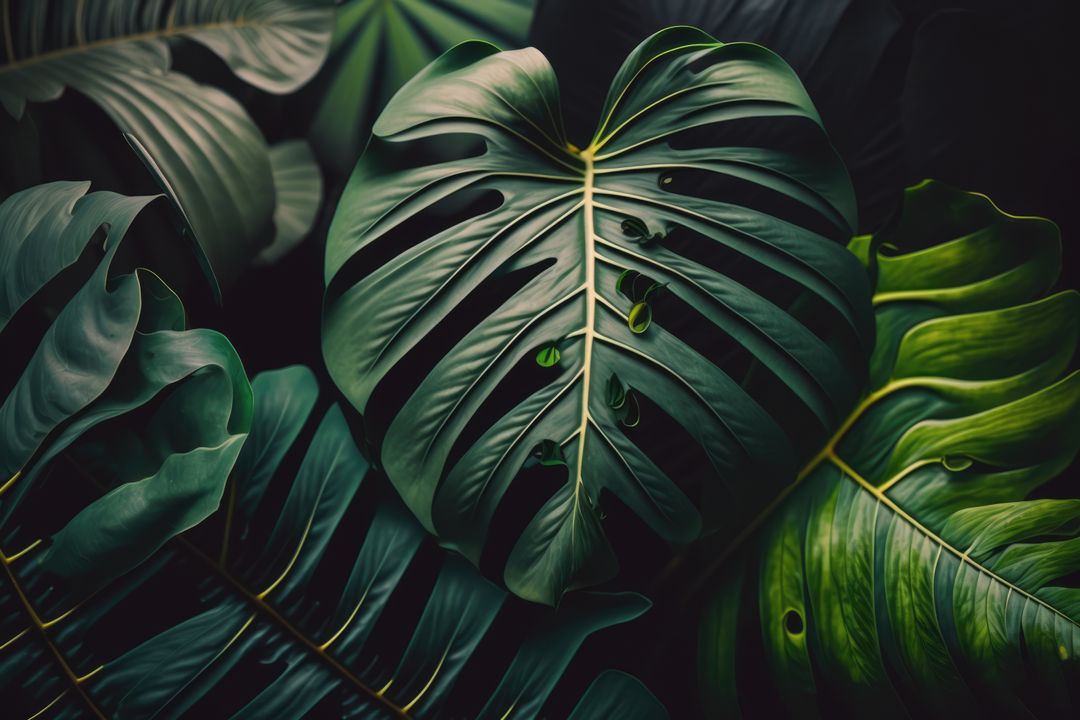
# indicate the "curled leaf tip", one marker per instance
pixel 957 463
pixel 640 317
pixel 548 356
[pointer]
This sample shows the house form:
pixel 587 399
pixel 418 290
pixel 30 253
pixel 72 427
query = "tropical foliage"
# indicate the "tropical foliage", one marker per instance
pixel 560 254
pixel 919 568
pixel 377 46
pixel 608 414
pixel 119 428
pixel 270 592
pixel 200 144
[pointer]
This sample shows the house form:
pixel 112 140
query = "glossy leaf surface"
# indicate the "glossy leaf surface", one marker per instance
pixel 926 564
pixel 378 45
pixel 119 431
pixel 452 274
pixel 198 142
pixel 306 578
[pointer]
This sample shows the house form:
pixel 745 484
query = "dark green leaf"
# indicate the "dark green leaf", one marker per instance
pixel 198 142
pixel 377 46
pixel 268 600
pixel 558 233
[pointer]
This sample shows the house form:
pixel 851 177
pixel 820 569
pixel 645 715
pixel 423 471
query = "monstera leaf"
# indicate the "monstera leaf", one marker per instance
pixel 273 593
pixel 850 54
pixel 520 298
pixel 924 567
pixel 378 45
pixel 199 143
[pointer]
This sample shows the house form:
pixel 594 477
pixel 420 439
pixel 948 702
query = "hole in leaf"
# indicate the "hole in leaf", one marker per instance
pixel 637 229
pixel 631 413
pixel 616 392
pixel 548 453
pixel 793 622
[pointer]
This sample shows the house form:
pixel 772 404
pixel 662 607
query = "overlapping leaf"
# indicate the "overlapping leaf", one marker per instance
pixel 925 567
pixel 265 601
pixel 850 55
pixel 115 385
pixel 200 144
pixel 511 297
pixel 377 46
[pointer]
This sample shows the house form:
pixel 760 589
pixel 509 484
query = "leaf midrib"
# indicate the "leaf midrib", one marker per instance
pixel 281 621
pixel 883 498
pixel 589 250
pixel 880 492
pixel 828 455
pixel 219 571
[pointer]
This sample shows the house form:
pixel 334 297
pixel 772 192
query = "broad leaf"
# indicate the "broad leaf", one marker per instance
pixel 99 349
pixel 521 298
pixel 116 389
pixel 199 143
pixel 289 612
pixel 924 567
pixel 377 46
pixel 850 55
pixel 299 187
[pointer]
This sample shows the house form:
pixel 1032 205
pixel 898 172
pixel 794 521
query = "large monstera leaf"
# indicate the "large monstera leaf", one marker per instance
pixel 924 566
pixel 521 299
pixel 315 595
pixel 850 55
pixel 199 143
pixel 379 44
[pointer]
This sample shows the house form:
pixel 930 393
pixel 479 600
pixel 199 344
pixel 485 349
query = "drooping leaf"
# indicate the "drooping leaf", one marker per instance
pixel 44 230
pixel 198 142
pixel 919 570
pixel 445 277
pixel 116 389
pixel 615 694
pixel 289 618
pixel 298 187
pixel 377 46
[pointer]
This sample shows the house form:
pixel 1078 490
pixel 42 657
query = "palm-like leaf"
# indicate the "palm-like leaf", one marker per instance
pixel 199 142
pixel 378 46
pixel 264 599
pixel 583 243
pixel 913 573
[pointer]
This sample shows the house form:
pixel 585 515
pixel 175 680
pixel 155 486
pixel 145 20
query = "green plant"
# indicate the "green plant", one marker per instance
pixel 921 564
pixel 599 406
pixel 377 46
pixel 199 143
pixel 271 591
pixel 111 384
pixel 561 272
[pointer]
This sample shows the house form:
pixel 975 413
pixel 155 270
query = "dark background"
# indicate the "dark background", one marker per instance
pixel 980 94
